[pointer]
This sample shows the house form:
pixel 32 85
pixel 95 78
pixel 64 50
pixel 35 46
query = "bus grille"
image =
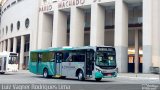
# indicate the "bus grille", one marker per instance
pixel 108 74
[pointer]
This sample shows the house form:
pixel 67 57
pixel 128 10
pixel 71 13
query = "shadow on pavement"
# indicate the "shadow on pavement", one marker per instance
pixel 73 79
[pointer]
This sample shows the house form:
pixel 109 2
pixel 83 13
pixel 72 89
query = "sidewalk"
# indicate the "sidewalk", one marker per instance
pixel 139 76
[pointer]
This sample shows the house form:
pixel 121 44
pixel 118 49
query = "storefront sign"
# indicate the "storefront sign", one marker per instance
pixel 45 8
pixel 65 4
pixel 69 3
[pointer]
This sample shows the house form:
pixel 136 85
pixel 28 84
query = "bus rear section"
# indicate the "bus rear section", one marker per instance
pixel 8 62
pixel 42 63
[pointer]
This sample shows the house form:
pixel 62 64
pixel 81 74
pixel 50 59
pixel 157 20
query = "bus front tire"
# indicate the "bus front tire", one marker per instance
pixel 98 79
pixel 2 72
pixel 81 76
pixel 45 73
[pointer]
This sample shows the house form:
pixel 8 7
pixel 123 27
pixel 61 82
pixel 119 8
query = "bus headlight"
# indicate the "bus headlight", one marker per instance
pixel 98 70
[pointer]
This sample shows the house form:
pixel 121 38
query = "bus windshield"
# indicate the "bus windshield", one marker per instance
pixel 105 59
pixel 13 60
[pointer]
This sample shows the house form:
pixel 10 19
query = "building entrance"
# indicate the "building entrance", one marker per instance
pixel 131 64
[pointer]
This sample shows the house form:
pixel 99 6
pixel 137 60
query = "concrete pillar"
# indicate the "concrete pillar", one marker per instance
pixel 0 46
pixel 121 35
pixel 4 45
pixel 77 27
pixel 155 33
pixel 21 62
pixel 34 21
pixel 9 45
pixel 15 44
pixel 136 58
pixel 45 31
pixel 147 35
pixel 59 29
pixel 97 25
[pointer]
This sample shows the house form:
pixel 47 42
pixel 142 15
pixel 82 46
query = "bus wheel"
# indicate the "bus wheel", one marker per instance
pixel 98 79
pixel 2 72
pixel 81 76
pixel 45 73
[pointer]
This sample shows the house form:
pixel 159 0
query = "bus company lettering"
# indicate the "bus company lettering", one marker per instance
pixel 45 8
pixel 69 3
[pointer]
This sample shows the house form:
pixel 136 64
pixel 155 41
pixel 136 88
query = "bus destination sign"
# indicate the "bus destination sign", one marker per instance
pixel 105 49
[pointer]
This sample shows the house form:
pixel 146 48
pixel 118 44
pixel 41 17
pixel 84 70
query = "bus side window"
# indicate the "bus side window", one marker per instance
pixel 39 57
pixel 10 60
pixel 53 56
pixel 78 58
pixel 65 56
pixel 69 59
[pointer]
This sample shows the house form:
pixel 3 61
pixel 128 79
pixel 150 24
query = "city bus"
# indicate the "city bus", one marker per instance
pixel 75 62
pixel 8 62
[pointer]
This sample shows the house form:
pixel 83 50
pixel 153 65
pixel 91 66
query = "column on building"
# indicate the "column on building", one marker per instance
pixel 156 33
pixel 9 45
pixel 136 51
pixel 1 46
pixel 45 31
pixel 59 29
pixel 97 25
pixel 148 31
pixel 77 27
pixel 21 62
pixel 33 42
pixel 4 45
pixel 15 44
pixel 121 35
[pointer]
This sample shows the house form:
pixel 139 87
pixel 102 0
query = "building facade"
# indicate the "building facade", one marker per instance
pixel 131 26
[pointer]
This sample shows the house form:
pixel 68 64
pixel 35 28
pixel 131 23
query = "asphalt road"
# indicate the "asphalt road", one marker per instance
pixel 37 82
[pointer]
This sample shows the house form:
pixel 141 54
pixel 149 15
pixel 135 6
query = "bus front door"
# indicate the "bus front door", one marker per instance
pixel 39 63
pixel 58 64
pixel 89 63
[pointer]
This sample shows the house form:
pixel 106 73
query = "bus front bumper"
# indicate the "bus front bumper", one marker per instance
pixel 105 75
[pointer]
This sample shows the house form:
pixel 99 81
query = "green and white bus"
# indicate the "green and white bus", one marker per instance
pixel 75 62
pixel 8 62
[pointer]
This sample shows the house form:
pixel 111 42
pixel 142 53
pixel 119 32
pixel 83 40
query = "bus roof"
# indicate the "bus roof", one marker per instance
pixel 67 48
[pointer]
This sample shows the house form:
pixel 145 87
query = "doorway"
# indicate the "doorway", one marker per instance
pixel 131 64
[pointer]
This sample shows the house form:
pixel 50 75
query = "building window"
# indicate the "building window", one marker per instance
pixel 3 31
pixel 11 27
pixel 44 1
pixel 6 29
pixel 19 0
pixel 8 6
pixel 13 3
pixel 27 23
pixel 18 25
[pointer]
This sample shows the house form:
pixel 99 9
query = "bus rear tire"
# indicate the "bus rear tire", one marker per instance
pixel 81 76
pixel 98 79
pixel 45 73
pixel 2 72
